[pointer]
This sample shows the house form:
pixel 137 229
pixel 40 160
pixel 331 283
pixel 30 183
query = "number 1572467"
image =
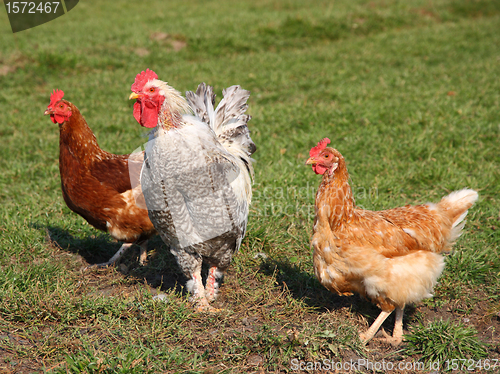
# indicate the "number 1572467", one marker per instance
pixel 26 7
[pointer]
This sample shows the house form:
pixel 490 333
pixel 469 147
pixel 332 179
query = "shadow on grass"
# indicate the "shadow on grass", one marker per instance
pixel 304 286
pixel 160 270
pixel 94 249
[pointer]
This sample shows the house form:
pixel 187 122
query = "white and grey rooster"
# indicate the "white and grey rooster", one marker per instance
pixel 197 175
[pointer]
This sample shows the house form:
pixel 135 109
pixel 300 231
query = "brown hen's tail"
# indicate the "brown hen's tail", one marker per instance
pixel 455 206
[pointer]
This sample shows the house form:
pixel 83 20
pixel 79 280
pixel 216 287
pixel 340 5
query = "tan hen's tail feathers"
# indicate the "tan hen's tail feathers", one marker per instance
pixel 456 205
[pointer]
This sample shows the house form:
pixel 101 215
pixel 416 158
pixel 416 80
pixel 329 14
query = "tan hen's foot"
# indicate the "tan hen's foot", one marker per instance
pixel 393 340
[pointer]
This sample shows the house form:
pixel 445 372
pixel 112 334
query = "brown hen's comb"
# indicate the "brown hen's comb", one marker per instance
pixel 321 145
pixel 143 78
pixel 55 97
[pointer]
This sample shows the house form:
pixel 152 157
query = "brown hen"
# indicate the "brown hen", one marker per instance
pixel 97 184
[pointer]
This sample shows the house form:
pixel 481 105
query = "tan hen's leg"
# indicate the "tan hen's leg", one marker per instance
pixel 397 333
pixel 372 330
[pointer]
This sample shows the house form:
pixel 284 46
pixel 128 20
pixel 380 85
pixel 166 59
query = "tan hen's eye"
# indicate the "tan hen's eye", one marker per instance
pixel 152 89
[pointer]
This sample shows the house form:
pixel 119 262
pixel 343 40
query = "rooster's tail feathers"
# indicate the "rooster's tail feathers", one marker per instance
pixel 231 122
pixel 202 103
pixel 228 120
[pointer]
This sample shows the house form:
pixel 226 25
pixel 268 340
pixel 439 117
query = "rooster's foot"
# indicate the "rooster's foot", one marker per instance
pixel 212 287
pixel 202 305
pixel 207 309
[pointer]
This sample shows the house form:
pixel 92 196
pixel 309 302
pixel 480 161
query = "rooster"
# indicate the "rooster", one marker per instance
pixel 196 176
pixel 392 257
pixel 97 184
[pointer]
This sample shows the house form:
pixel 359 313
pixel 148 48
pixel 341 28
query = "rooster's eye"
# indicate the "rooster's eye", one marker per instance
pixel 61 106
pixel 152 89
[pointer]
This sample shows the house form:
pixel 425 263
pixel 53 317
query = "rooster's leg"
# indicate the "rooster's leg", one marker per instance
pixel 370 333
pixel 212 287
pixel 195 286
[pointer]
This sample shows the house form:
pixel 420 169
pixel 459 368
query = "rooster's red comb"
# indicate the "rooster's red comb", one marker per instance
pixel 143 78
pixel 55 97
pixel 321 145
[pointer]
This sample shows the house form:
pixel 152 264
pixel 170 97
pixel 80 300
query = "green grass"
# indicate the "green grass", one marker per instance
pixel 443 340
pixel 408 91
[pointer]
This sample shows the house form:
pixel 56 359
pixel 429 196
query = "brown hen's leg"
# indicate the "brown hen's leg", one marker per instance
pixel 113 259
pixel 118 255
pixel 144 252
pixel 372 330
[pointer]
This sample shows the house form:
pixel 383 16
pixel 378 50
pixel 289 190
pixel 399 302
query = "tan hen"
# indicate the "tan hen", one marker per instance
pixel 391 257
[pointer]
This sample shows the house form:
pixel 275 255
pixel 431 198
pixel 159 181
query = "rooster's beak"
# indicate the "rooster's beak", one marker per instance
pixel 311 161
pixel 48 111
pixel 134 95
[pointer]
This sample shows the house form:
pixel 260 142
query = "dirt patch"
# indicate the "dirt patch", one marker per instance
pixel 141 52
pixel 176 42
pixel 9 64
pixel 270 314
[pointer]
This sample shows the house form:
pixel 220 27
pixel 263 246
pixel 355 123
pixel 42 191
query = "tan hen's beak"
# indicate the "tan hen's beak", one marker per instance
pixel 311 161
pixel 134 95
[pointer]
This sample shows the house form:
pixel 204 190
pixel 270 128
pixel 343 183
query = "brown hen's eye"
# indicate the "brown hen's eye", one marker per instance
pixel 326 156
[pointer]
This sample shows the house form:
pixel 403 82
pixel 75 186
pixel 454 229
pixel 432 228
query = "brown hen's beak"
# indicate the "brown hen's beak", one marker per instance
pixel 311 161
pixel 48 111
pixel 134 95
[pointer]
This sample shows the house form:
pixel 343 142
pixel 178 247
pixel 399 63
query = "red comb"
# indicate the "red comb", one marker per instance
pixel 55 97
pixel 321 145
pixel 143 78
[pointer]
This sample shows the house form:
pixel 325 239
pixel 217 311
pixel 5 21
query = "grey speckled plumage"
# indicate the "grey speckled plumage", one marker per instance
pixel 196 181
pixel 228 121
